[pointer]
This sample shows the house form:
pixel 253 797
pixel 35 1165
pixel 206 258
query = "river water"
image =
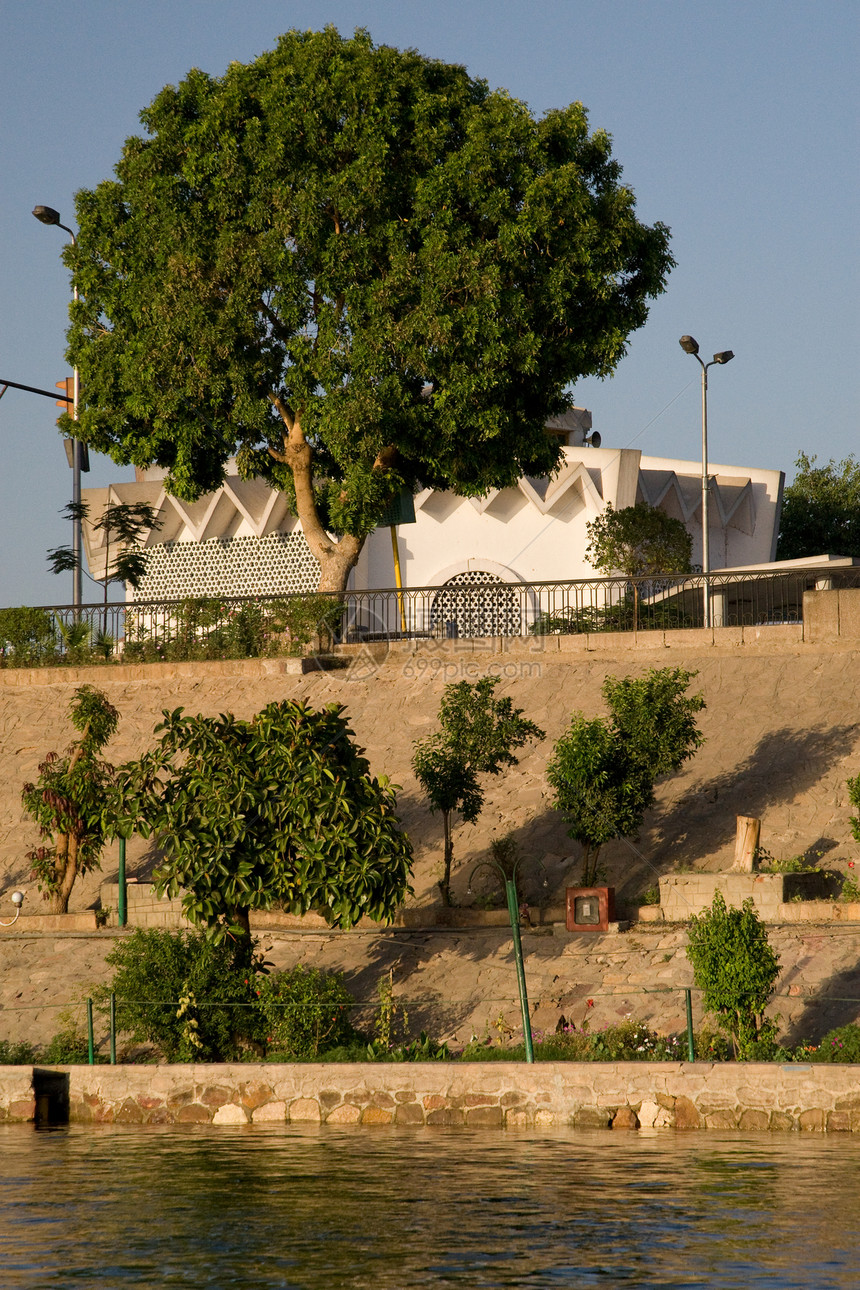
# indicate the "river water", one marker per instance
pixel 325 1208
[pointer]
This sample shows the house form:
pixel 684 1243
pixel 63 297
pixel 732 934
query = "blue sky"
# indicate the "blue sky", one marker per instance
pixel 736 124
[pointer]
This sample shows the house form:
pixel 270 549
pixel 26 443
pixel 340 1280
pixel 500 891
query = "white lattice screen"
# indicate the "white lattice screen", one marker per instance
pixel 244 566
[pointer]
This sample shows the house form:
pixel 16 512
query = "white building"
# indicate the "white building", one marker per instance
pixel 242 540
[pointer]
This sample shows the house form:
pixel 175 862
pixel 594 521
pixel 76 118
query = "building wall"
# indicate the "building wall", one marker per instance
pixel 243 541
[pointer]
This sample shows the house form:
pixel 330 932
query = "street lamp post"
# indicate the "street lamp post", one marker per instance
pixel 47 215
pixel 691 346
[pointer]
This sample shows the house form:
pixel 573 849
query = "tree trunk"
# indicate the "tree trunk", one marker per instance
pixel 445 884
pixel 337 557
pixel 66 871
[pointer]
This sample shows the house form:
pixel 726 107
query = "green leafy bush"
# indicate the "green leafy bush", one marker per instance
pixel 736 970
pixel 26 637
pixel 16 1054
pixel 184 994
pixel 306 1011
pixel 839 1045
pixel 69 1047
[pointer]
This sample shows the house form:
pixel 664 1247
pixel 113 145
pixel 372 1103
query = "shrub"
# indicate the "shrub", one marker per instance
pixel 839 1045
pixel 69 1047
pixel 736 969
pixel 27 634
pixel 306 1011
pixel 16 1054
pixel 184 994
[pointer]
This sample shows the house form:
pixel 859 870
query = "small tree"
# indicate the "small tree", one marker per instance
pixel 478 736
pixel 69 800
pixel 278 810
pixel 736 969
pixel 604 770
pixel 123 524
pixel 639 541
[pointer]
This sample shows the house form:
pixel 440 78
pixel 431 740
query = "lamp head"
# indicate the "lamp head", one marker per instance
pixel 689 345
pixel 724 356
pixel 46 214
pixel 17 899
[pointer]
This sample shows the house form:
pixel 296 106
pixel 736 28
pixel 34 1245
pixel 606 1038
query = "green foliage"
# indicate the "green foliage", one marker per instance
pixel 478 736
pixel 71 800
pixel 68 1047
pixel 122 524
pixel 26 637
pixel 736 969
pixel 306 617
pixel 281 809
pixel 638 541
pixel 296 249
pixel 821 510
pixel 604 770
pixel 628 1041
pixel 306 1012
pixel 854 799
pixel 611 618
pixel 839 1045
pixel 192 999
pixel 16 1054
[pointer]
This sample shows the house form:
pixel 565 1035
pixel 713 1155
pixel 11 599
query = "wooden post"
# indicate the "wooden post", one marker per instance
pixel 746 843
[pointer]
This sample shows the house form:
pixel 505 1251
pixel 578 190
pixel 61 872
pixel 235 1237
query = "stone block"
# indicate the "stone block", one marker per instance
pixel 754 1120
pixel 821 615
pixel 305 1110
pixel 484 1117
pixel 592 1117
pixel 518 1118
pixel 544 1119
pixel 230 1114
pixel 346 1113
pixel 446 1115
pixel 377 1115
pixel 686 1115
pixel 781 1122
pixel 192 1113
pixel 409 1113
pixel 625 1118
pixel 838 1122
pixel 726 1119
pixel 270 1113
pixel 811 1121
pixel 255 1094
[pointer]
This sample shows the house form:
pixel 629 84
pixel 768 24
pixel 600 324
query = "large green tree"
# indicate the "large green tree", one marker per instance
pixel 358 268
pixel 821 510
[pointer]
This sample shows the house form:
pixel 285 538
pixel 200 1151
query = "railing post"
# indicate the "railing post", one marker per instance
pixel 691 1044
pixel 113 1029
pixel 122 912
pixel 91 1055
pixel 514 914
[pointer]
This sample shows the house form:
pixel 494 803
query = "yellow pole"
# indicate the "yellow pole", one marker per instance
pixel 397 579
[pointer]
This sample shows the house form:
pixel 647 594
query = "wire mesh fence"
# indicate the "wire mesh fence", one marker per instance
pixel 638 1023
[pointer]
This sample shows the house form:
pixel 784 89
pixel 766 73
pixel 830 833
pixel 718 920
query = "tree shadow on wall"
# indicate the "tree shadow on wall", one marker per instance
pixel 836 1003
pixel 784 764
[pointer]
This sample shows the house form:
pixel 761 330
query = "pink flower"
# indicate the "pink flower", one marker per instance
pixel 850 864
pixel 589 1003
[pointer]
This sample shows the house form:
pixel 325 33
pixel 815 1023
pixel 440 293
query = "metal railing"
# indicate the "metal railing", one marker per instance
pixel 257 626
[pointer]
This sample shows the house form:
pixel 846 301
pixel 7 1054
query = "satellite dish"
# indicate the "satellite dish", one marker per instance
pixel 593 439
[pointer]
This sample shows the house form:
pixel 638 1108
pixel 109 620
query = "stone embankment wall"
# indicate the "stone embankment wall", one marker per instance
pixel 782 735
pixel 508 1095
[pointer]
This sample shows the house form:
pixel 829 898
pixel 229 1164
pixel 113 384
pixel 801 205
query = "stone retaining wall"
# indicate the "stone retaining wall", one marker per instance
pixel 512 1095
